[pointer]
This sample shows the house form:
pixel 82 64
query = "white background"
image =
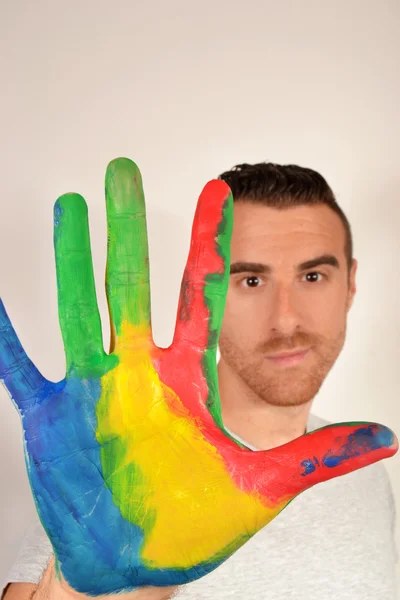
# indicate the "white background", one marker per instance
pixel 188 89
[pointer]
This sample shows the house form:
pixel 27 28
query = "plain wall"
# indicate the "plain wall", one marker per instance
pixel 187 90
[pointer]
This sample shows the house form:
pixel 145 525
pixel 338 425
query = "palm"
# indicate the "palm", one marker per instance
pixel 135 480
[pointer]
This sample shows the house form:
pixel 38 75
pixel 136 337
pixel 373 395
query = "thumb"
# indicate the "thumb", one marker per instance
pixel 284 472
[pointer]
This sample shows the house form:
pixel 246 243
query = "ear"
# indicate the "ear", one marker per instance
pixel 352 283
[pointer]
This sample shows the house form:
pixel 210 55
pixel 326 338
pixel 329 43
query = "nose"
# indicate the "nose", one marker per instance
pixel 284 310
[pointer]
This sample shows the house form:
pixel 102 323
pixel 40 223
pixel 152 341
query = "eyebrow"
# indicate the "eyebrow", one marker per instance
pixel 245 267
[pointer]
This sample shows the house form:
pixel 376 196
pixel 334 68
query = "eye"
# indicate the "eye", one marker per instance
pixel 312 276
pixel 251 281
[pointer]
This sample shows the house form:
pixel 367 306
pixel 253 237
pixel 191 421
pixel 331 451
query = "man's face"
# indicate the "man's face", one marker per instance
pixel 278 307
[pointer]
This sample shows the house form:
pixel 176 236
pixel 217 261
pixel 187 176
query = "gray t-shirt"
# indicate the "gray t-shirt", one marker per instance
pixel 334 541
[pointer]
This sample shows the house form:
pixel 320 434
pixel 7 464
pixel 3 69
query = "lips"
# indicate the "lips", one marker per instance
pixel 289 354
pixel 288 358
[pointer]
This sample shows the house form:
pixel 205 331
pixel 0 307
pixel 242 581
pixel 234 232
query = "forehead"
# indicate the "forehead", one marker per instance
pixel 301 231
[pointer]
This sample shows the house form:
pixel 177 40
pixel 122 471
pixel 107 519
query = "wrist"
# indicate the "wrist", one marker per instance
pixel 54 588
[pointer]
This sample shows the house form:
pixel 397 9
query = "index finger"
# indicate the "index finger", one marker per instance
pixel 206 276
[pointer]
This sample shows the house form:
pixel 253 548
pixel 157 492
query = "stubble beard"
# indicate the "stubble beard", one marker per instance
pixel 289 386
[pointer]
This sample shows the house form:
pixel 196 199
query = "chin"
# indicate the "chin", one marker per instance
pixel 286 389
pixel 287 401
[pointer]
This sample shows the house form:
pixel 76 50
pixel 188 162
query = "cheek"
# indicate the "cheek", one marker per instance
pixel 243 323
pixel 331 311
pixel 320 307
pixel 240 312
pixel 240 301
pixel 328 326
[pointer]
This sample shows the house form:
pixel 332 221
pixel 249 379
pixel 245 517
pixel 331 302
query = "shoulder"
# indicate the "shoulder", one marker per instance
pixel 34 554
pixel 364 499
pixel 315 422
pixel 36 536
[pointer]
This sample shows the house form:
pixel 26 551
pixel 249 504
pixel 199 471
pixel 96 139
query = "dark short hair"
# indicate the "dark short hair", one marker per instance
pixel 285 186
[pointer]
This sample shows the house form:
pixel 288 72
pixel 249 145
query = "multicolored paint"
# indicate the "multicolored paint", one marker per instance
pixel 135 480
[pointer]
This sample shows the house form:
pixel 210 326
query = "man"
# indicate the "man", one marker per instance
pixel 293 281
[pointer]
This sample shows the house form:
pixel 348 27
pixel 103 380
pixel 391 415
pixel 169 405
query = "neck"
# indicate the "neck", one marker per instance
pixel 251 418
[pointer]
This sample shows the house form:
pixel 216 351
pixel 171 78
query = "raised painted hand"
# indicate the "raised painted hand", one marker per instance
pixel 135 480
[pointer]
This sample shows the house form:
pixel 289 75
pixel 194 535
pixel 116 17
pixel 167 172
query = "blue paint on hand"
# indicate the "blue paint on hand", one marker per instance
pixel 362 441
pixel 308 466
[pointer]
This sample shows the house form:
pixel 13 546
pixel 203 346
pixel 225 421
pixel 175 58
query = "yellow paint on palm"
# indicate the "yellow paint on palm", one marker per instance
pixel 158 466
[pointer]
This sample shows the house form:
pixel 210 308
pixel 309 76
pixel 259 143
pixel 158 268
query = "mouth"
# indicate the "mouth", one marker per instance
pixel 288 358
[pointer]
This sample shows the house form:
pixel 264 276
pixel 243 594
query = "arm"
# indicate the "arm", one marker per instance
pixel 51 588
pixel 20 591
